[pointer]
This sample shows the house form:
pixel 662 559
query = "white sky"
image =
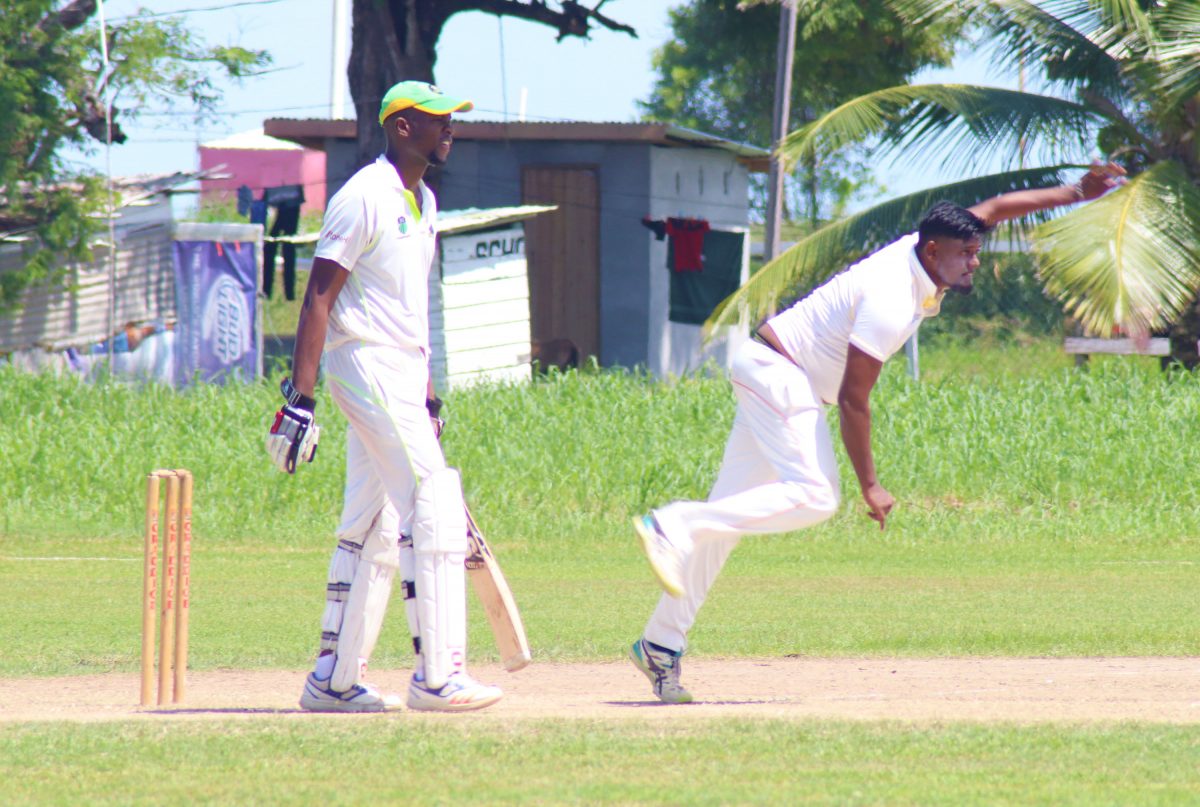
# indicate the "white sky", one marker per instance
pixel 599 79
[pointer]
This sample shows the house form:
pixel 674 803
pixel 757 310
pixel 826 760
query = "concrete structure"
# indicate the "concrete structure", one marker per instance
pixel 597 276
pixel 259 161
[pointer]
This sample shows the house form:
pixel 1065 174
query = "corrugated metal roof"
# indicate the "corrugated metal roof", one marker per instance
pixel 451 221
pixel 313 132
pixel 466 220
pixel 130 190
pixel 252 140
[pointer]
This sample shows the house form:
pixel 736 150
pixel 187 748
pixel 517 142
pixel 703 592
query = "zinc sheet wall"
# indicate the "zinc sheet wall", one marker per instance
pixel 479 308
pixel 74 313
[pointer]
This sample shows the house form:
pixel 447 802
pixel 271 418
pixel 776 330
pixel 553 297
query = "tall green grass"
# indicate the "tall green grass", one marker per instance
pixel 1111 446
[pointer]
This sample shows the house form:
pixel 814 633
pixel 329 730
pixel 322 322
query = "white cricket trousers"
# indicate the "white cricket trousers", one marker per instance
pixel 390 443
pixel 778 474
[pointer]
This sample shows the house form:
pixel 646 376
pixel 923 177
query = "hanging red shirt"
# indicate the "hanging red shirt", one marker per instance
pixel 687 242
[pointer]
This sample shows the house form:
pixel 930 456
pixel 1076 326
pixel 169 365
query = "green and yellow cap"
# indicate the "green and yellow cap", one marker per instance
pixel 425 97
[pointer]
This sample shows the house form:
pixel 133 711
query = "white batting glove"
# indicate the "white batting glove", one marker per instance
pixel 294 434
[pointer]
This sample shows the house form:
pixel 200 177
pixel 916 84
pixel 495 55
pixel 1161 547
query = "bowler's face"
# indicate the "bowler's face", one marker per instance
pixel 954 262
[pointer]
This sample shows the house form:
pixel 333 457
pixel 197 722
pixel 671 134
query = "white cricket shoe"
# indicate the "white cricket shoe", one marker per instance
pixel 460 693
pixel 662 667
pixel 666 559
pixel 318 697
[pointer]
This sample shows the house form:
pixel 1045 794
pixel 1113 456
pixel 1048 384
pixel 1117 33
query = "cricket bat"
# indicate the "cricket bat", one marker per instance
pixel 497 600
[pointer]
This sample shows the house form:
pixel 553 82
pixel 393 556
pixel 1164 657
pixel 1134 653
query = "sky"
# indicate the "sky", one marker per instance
pixel 495 62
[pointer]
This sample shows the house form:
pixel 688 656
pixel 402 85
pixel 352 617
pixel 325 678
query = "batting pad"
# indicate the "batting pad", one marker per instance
pixel 440 547
pixel 361 615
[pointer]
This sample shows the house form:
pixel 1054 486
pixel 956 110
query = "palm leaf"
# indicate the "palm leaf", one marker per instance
pixel 830 249
pixel 966 125
pixel 1053 33
pixel 1130 259
pixel 1179 50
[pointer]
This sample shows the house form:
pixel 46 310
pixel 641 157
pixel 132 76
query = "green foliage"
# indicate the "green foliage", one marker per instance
pixel 53 89
pixel 829 249
pixel 717 74
pixel 1147 267
pixel 1122 75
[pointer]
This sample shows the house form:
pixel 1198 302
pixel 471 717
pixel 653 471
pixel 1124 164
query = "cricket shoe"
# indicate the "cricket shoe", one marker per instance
pixel 663 668
pixel 666 559
pixel 318 697
pixel 460 693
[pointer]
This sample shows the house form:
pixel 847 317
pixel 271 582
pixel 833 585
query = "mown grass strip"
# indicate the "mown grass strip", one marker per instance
pixel 462 761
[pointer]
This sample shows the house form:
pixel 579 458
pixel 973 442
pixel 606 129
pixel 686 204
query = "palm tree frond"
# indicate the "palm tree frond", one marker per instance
pixel 1072 39
pixel 1179 50
pixel 1130 259
pixel 965 123
pixel 836 245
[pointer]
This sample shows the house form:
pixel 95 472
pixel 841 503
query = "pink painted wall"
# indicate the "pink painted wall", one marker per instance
pixel 265 168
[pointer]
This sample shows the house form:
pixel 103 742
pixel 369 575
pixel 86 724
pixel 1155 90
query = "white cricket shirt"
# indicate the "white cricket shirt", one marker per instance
pixel 374 230
pixel 875 305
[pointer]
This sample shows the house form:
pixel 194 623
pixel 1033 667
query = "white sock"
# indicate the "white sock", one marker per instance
pixel 324 668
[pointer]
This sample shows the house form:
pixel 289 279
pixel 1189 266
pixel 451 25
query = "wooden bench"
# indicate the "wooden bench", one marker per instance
pixel 1082 347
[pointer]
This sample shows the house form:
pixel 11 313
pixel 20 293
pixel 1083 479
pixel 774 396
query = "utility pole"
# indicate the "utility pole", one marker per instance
pixel 779 124
pixel 337 92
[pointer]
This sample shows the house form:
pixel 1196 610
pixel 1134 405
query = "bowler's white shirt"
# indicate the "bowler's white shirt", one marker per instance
pixel 875 305
pixel 373 230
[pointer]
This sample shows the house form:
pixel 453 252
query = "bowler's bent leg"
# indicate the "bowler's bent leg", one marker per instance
pixel 742 467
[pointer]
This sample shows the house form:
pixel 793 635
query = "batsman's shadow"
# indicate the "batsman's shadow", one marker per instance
pixel 231 710
pixel 722 702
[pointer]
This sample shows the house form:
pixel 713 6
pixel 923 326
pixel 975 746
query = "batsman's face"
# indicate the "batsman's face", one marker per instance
pixel 954 262
pixel 424 136
pixel 432 136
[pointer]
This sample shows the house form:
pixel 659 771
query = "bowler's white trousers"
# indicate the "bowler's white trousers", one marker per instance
pixel 778 474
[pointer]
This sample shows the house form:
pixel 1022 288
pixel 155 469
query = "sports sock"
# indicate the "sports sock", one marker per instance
pixel 659 648
pixel 324 667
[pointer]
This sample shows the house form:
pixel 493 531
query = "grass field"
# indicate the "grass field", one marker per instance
pixel 1043 511
pixel 577 762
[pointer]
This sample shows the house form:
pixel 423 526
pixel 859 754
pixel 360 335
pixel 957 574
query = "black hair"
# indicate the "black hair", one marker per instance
pixel 949 220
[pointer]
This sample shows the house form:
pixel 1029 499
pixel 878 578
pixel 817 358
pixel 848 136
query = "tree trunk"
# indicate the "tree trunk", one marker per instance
pixel 396 40
pixel 390 42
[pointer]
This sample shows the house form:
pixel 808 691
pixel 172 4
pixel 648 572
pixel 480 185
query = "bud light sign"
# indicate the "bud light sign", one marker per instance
pixel 215 288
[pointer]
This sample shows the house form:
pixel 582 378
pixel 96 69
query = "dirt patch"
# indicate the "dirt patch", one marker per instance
pixel 1165 690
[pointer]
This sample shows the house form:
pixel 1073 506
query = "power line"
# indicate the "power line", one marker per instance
pixel 197 10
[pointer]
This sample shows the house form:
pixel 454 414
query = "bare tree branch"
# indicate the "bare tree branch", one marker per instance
pixel 575 19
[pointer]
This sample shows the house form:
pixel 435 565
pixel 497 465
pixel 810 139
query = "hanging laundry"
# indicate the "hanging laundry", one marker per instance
pixel 694 295
pixel 687 242
pixel 656 226
pixel 287 199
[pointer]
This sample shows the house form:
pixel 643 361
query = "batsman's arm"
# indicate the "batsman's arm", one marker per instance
pixel 854 409
pixel 1100 179
pixel 324 284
